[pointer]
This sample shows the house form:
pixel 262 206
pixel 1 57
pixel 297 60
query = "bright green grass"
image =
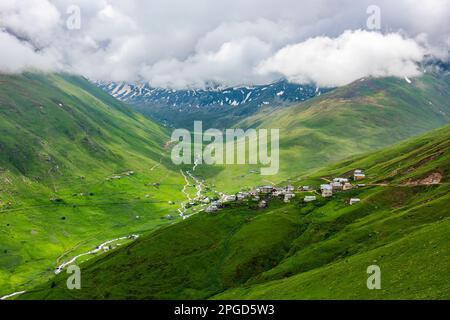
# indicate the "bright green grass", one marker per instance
pixel 295 250
pixel 411 268
pixel 62 136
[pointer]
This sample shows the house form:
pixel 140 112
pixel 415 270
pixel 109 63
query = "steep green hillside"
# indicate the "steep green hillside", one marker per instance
pixel 62 140
pixel 61 125
pixel 361 117
pixel 316 250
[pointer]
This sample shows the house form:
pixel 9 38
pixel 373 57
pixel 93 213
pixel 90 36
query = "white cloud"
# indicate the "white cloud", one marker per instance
pixel 192 43
pixel 232 63
pixel 338 61
pixel 33 20
pixel 20 56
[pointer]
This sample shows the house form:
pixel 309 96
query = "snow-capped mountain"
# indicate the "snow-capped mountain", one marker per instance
pixel 281 91
pixel 175 106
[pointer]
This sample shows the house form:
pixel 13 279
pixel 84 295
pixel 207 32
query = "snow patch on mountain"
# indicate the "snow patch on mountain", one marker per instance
pixel 278 93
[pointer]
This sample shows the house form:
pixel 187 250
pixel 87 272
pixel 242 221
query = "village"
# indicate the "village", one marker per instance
pixel 263 194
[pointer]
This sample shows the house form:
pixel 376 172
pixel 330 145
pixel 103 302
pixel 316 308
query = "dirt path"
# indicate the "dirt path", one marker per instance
pixel 157 165
pixel 94 251
pixel 12 295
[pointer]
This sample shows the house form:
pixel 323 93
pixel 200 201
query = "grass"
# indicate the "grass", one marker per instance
pixel 411 268
pixel 298 250
pixel 359 118
pixel 62 138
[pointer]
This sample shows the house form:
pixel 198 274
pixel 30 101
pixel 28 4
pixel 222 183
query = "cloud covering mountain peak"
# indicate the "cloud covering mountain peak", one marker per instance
pixel 331 62
pixel 182 44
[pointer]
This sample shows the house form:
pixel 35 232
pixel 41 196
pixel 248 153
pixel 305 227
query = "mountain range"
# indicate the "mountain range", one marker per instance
pixel 363 116
pixel 228 105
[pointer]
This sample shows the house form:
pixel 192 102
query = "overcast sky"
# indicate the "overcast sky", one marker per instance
pixel 181 43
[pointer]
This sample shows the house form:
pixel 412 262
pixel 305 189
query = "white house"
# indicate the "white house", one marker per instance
pixel 278 192
pixel 309 198
pixel 336 185
pixel 206 200
pixel 358 175
pixel 288 197
pixel 327 190
pixel 211 209
pixel 341 180
pixel 242 196
pixel 347 186
pixel 290 188
pixel 229 198
pixel 265 189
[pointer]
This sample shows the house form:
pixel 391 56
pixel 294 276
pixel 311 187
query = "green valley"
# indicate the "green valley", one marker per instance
pixel 361 117
pixel 298 250
pixel 77 168
pixel 223 152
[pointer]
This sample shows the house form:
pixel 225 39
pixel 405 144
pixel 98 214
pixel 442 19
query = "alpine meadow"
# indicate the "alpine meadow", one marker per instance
pixel 225 156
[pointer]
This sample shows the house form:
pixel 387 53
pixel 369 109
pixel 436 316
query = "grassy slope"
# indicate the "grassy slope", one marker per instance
pixel 62 136
pixel 298 250
pixel 361 117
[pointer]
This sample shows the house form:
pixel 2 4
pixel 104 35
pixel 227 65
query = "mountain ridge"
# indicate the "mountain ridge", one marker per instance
pixel 172 106
pixel 366 115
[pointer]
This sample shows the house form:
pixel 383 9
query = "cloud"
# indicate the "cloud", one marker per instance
pixel 231 63
pixel 331 62
pixel 178 43
pixel 21 56
pixel 35 21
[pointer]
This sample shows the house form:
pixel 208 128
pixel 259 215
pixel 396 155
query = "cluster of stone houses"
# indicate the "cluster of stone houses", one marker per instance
pixel 338 184
pixel 213 207
pixel 342 184
pixel 288 192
